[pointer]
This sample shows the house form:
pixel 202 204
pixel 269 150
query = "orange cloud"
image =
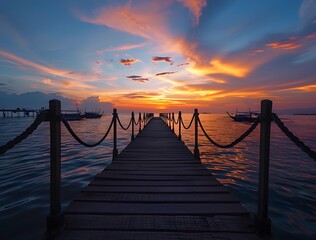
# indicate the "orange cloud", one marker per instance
pixel 218 66
pixel 21 62
pixel 129 61
pixel 288 45
pixel 56 72
pixel 122 48
pixel 162 59
pixel 293 42
pixel 195 6
pixel 135 21
pixel 305 88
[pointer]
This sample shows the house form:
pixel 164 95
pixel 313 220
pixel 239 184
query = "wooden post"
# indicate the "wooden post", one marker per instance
pixel 55 220
pixel 140 122
pixel 144 117
pixel 180 122
pixel 196 135
pixel 115 151
pixel 263 222
pixel 172 119
pixel 133 121
pixel 169 118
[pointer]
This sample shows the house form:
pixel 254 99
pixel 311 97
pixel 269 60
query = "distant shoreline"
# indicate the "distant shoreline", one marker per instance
pixel 304 114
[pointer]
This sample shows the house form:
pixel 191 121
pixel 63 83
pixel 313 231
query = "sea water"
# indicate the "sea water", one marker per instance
pixel 24 170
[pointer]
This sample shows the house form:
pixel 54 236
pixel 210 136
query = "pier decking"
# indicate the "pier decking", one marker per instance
pixel 156 189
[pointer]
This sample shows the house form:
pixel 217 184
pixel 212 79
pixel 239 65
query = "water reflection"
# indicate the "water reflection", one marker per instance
pixel 24 188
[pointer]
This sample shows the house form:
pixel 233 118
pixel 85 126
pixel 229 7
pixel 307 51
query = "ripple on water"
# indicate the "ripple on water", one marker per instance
pixel 24 172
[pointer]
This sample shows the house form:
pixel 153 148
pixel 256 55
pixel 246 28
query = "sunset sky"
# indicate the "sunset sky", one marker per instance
pixel 162 55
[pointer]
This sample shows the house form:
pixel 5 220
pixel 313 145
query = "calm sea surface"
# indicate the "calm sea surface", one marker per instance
pixel 24 170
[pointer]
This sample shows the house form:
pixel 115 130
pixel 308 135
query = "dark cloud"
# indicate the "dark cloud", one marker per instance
pixel 133 76
pixel 129 61
pixel 3 84
pixel 143 95
pixel 162 59
pixel 137 78
pixel 182 64
pixel 140 79
pixel 164 73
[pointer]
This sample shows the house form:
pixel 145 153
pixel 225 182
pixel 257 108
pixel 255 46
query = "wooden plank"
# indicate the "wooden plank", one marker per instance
pixel 211 182
pixel 201 209
pixel 106 175
pixel 166 172
pixel 147 235
pixel 157 197
pixel 159 223
pixel 156 189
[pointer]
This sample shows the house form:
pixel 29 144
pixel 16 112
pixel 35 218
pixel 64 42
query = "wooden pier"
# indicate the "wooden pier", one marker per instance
pixel 156 189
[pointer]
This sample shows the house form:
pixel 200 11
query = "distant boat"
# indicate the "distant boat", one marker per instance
pixel 244 116
pixel 93 115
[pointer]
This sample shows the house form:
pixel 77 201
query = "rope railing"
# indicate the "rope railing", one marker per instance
pixel 55 220
pixel 121 125
pixel 262 221
pixel 27 132
pixel 293 138
pixel 175 121
pixel 77 138
pixel 237 140
pixel 190 124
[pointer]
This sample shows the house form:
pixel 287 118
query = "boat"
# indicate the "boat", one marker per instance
pixel 244 116
pixel 93 115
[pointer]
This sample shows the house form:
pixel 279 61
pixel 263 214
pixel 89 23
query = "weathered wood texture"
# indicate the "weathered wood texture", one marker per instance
pixel 156 189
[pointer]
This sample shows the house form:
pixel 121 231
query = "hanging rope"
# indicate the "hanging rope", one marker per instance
pixel 236 141
pixel 73 134
pixel 137 121
pixel 189 124
pixel 176 122
pixel 293 138
pixel 38 120
pixel 124 128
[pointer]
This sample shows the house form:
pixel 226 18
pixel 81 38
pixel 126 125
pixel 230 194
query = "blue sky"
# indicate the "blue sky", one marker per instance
pixel 159 55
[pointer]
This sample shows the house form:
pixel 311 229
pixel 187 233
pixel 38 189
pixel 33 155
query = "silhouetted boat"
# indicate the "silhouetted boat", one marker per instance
pixel 244 116
pixel 93 114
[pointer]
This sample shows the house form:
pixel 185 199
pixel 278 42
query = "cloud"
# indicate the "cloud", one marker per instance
pixel 292 43
pixel 139 95
pixel 162 59
pixel 122 48
pixel 37 100
pixel 183 64
pixel 133 76
pixel 34 67
pixel 195 6
pixel 217 66
pixel 308 9
pixel 140 79
pixel 93 103
pixel 139 21
pixel 129 61
pixel 164 73
pixel 3 84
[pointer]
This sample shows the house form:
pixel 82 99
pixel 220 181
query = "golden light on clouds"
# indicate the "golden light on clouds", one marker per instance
pixel 219 67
